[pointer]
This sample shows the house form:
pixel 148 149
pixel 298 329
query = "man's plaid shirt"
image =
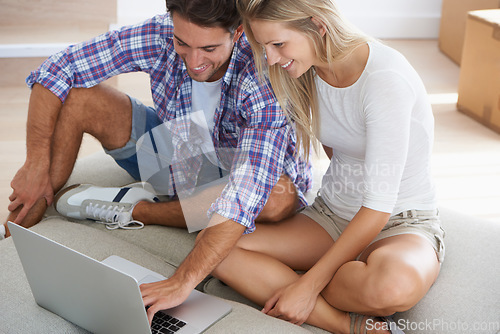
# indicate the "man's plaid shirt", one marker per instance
pixel 249 118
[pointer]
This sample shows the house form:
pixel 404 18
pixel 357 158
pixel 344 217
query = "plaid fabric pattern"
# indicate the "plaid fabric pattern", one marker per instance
pixel 248 119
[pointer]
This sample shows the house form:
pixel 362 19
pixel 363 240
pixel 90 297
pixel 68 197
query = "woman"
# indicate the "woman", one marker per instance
pixel 371 244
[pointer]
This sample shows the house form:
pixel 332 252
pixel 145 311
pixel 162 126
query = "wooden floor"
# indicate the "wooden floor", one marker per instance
pixel 466 157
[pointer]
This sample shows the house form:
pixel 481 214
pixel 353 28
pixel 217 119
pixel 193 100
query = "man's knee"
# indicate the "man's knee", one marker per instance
pixel 80 98
pixel 98 109
pixel 282 203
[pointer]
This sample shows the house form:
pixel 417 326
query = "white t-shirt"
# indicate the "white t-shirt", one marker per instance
pixel 381 130
pixel 206 97
pixel 205 101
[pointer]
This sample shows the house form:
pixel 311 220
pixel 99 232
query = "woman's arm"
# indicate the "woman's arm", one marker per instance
pixel 388 101
pixel 362 229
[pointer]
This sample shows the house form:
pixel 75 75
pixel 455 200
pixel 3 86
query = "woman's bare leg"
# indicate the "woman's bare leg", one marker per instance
pixel 262 261
pixel 392 276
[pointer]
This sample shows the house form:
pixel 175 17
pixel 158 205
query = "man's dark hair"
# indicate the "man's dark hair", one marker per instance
pixel 207 13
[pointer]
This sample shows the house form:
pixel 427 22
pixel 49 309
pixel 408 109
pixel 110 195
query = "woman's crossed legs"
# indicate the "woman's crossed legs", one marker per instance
pixel 391 276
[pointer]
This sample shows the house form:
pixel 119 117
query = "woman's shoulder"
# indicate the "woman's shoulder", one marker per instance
pixel 389 64
pixel 384 57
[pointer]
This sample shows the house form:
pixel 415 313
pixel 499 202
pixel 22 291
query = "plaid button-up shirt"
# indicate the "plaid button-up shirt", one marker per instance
pixel 248 119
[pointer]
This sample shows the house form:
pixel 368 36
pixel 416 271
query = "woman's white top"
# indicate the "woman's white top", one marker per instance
pixel 381 130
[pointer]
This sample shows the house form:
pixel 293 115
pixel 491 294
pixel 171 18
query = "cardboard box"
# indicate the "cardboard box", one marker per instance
pixel 452 27
pixel 479 84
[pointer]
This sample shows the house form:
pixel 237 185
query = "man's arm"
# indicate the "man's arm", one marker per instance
pixel 32 181
pixel 212 246
pixel 83 65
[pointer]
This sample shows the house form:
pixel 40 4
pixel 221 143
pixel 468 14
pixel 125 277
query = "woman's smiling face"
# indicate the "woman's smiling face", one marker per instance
pixel 283 46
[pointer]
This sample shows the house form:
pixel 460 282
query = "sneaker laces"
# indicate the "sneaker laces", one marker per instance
pixel 113 216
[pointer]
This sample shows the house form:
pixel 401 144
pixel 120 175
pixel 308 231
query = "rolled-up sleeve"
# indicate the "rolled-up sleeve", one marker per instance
pixel 257 166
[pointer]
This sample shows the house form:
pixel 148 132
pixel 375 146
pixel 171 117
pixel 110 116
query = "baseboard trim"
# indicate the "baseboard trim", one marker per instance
pixel 31 50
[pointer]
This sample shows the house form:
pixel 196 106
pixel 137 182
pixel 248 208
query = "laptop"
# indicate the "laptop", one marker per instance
pixel 104 297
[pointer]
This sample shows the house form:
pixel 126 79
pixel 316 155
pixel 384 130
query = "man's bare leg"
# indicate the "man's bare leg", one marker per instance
pixel 101 111
pixel 282 203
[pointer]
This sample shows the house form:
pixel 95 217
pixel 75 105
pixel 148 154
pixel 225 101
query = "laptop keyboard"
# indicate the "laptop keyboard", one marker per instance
pixel 166 324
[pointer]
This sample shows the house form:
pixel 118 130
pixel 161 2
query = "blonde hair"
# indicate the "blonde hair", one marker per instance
pixel 298 95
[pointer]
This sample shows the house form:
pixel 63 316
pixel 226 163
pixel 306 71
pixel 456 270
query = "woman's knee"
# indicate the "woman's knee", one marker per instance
pixel 393 289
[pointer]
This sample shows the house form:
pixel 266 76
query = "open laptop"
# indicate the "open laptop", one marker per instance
pixel 104 297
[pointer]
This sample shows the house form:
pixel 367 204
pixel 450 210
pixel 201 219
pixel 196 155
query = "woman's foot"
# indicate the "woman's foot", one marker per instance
pixel 364 324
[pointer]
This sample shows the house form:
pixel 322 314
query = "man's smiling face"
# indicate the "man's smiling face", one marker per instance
pixel 206 51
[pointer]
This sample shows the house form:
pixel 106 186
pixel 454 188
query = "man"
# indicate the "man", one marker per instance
pixel 197 41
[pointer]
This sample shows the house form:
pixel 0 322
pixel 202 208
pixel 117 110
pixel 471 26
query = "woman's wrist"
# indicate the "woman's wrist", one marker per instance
pixel 315 283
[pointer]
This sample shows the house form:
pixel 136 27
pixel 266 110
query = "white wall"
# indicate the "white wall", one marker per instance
pixel 394 18
pixel 379 18
pixel 132 11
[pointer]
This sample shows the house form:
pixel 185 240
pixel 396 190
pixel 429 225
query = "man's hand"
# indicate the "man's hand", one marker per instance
pixel 212 245
pixel 31 183
pixel 164 295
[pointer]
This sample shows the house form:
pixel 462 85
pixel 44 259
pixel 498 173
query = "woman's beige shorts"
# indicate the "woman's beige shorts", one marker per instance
pixel 425 223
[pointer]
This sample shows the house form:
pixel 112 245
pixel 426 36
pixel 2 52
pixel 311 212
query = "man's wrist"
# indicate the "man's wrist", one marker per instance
pixel 38 160
pixel 184 279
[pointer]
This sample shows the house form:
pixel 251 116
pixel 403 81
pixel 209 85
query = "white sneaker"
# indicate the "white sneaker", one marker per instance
pixel 2 232
pixel 110 206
